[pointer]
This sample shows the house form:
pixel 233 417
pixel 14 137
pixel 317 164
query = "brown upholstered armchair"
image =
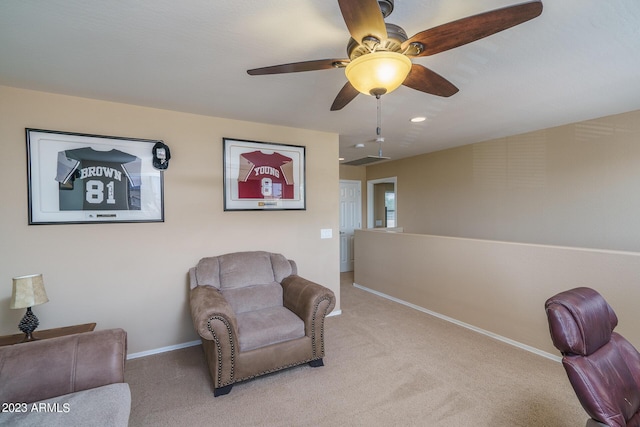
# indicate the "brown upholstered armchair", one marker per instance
pixel 255 315
pixel 602 366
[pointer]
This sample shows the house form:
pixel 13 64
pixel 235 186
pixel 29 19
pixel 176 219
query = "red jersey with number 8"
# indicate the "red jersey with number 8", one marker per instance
pixel 265 176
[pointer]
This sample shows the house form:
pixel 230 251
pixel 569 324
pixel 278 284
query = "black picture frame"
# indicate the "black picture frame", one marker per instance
pixel 77 178
pixel 263 175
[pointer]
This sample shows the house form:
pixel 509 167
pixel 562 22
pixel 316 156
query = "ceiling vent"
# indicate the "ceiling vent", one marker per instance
pixel 366 160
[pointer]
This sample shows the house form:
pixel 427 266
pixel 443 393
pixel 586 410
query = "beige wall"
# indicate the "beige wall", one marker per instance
pixel 134 276
pixel 498 287
pixel 353 173
pixel 574 185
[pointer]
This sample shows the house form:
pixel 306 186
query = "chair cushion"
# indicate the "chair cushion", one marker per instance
pixel 256 297
pixel 239 269
pixel 268 326
pixel 207 272
pixel 245 269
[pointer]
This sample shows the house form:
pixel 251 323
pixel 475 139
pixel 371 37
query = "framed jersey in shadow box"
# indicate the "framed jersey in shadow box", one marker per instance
pixel 80 178
pixel 263 176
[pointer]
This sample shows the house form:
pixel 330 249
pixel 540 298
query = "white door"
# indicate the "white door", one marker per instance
pixel 350 218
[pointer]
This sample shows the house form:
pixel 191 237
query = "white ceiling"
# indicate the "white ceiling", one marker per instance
pixel 578 60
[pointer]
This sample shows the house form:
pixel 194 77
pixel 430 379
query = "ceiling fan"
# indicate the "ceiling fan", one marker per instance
pixel 379 53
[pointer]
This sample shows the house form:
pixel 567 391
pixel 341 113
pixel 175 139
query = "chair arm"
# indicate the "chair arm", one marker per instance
pixel 309 301
pixel 215 322
pixel 40 370
pixel 208 304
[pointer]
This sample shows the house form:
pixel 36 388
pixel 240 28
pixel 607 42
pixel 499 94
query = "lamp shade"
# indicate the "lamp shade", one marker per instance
pixel 378 73
pixel 28 291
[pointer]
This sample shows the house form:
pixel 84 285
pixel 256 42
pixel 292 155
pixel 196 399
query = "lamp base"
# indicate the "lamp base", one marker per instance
pixel 28 324
pixel 28 338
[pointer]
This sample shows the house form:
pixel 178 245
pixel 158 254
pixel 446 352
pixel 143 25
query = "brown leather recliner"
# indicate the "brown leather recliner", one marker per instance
pixel 255 315
pixel 602 366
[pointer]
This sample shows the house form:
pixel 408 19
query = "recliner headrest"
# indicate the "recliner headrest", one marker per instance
pixel 580 321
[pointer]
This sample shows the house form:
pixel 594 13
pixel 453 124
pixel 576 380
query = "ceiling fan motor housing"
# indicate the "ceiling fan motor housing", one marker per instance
pixel 395 37
pixel 386 6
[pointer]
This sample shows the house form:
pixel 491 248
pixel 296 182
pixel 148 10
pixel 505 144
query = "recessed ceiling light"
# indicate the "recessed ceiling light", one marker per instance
pixel 418 119
pixel 359 145
pixel 340 159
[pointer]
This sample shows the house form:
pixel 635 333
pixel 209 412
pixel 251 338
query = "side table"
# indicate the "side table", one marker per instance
pixel 48 333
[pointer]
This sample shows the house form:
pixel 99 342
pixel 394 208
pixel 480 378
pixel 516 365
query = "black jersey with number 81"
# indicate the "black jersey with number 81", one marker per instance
pixel 98 180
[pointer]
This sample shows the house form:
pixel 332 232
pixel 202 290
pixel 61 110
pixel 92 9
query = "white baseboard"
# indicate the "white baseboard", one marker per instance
pixel 464 325
pixel 389 297
pixel 163 349
pixel 189 344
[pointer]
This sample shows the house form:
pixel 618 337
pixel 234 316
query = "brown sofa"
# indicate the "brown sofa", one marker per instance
pixel 76 380
pixel 255 315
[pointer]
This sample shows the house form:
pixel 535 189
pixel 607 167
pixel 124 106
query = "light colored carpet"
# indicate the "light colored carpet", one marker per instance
pixel 385 365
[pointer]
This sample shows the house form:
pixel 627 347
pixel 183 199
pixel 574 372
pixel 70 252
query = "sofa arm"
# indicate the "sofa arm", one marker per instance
pixel 311 302
pixel 207 304
pixel 39 370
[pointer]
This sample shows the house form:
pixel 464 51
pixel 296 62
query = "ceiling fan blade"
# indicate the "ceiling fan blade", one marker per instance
pixel 363 19
pixel 467 30
pixel 319 64
pixel 345 96
pixel 423 79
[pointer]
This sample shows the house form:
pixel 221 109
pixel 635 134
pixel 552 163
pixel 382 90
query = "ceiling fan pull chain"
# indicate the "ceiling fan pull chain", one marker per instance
pixel 379 137
pixel 379 117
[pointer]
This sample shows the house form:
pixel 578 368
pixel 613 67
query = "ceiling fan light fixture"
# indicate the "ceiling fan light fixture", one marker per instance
pixel 379 72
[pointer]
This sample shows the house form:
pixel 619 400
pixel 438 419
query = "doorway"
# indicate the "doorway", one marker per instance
pixel 382 203
pixel 350 220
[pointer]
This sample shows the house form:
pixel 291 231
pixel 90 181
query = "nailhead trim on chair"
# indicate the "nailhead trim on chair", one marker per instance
pixel 313 326
pixel 219 349
pixel 291 365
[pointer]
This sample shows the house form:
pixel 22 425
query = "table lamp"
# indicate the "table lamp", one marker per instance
pixel 27 292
